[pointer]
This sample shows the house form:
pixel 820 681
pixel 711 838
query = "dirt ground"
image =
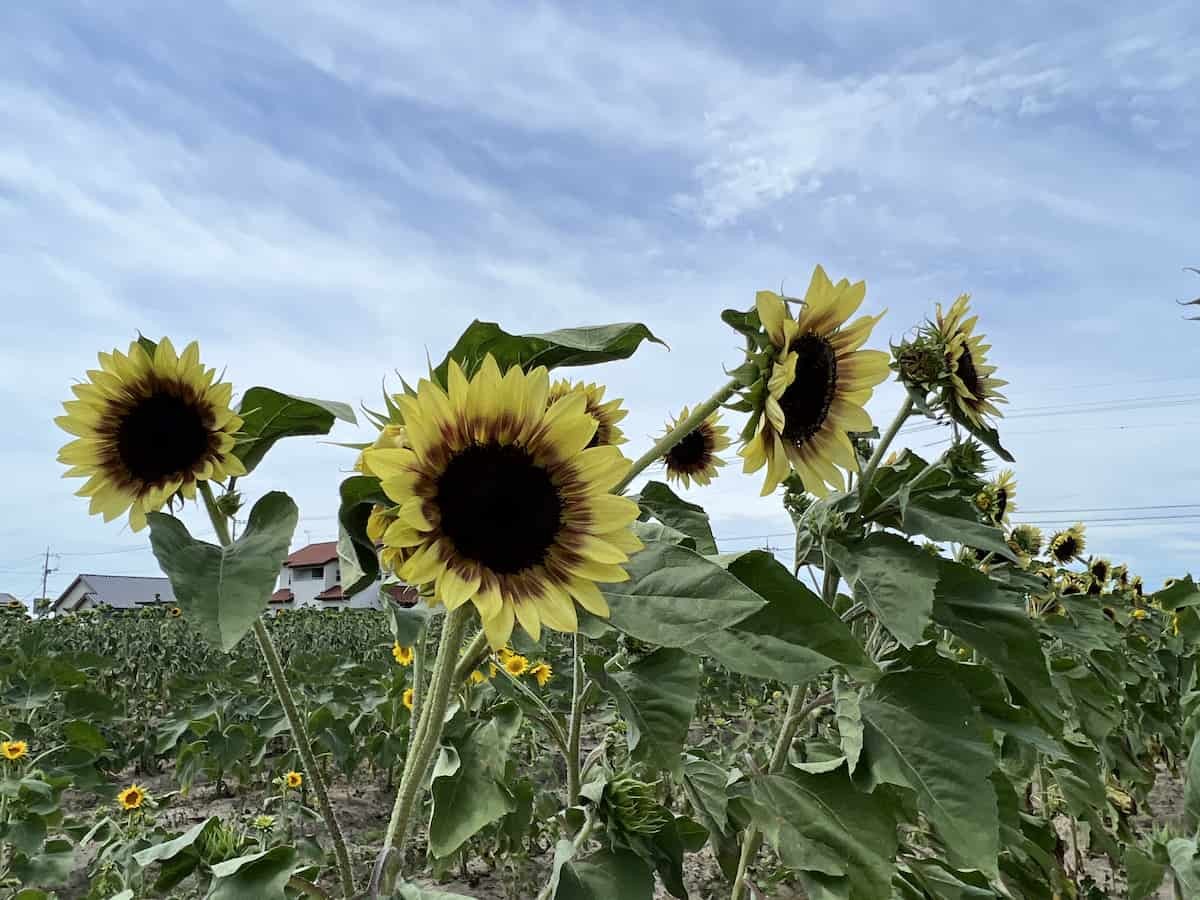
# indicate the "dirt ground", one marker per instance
pixel 363 811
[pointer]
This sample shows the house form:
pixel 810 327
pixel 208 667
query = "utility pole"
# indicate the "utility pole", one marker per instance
pixel 46 570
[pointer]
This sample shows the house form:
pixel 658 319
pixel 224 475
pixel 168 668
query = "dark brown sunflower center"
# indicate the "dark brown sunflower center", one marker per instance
pixel 1066 549
pixel 806 401
pixel 691 453
pixel 162 435
pixel 968 375
pixel 498 507
pixel 1001 502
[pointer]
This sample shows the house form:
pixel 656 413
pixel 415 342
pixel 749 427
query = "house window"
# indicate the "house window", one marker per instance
pixel 314 573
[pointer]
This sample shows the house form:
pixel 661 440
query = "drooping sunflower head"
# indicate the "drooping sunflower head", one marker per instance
pixel 132 797
pixel 501 502
pixel 818 386
pixel 1120 575
pixel 1068 544
pixel 1005 489
pixel 176 612
pixel 402 655
pixel 605 414
pixel 1027 540
pixel 542 673
pixel 516 665
pixel 971 392
pixel 294 780
pixel 1136 584
pixel 697 456
pixel 407 699
pixel 13 750
pixel 1100 569
pixel 148 424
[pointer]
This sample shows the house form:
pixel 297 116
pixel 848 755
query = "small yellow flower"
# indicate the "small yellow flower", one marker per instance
pixel 542 673
pixel 132 797
pixel 407 699
pixel 492 670
pixel 402 655
pixel 478 677
pixel 293 780
pixel 13 749
pixel 263 823
pixel 1138 614
pixel 516 665
pixel 176 612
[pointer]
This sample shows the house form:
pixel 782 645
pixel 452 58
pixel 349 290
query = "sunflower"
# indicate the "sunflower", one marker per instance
pixel 132 797
pixel 1100 569
pixel 606 415
pixel 293 779
pixel 492 670
pixel 502 502
pixel 176 612
pixel 13 750
pixel 1068 544
pixel 1120 575
pixel 407 699
pixel 1005 490
pixel 1136 584
pixel 1026 539
pixel 1139 613
pixel 148 424
pixel 478 677
pixel 402 655
pixel 516 665
pixel 389 436
pixel 542 673
pixel 972 391
pixel 696 457
pixel 818 386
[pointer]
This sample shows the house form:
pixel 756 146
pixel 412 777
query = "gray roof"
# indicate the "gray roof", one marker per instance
pixel 123 591
pixel 9 598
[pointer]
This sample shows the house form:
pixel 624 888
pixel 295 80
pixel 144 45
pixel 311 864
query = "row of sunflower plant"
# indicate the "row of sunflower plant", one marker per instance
pixel 942 710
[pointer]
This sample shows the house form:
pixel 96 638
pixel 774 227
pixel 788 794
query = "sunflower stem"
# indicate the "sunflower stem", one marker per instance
pixel 471 658
pixel 429 730
pixel 868 474
pixel 299 733
pixel 797 712
pixel 418 686
pixel 576 726
pixel 678 433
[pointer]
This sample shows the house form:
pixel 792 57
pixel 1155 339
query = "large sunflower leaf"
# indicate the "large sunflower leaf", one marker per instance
pixel 659 501
pixel 605 875
pixel 469 790
pixel 1181 594
pixel 412 892
pixel 675 596
pixel 793 638
pixel 832 833
pixel 944 516
pixel 656 697
pixel 223 590
pixel 567 347
pixel 268 415
pixel 891 577
pixel 922 732
pixel 356 551
pixel 259 876
pixel 995 623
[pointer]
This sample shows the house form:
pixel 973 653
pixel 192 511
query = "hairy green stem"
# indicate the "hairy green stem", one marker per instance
pixel 881 448
pixel 678 433
pixel 429 729
pixel 577 844
pixel 471 658
pixel 576 726
pixel 418 687
pixel 299 732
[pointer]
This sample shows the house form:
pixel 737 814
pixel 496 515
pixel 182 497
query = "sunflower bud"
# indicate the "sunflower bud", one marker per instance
pixel 1026 540
pixel 220 843
pixel 921 362
pixel 631 806
pixel 966 460
pixel 229 503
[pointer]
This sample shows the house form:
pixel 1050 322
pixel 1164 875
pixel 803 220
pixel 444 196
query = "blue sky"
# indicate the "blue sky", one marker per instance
pixel 321 191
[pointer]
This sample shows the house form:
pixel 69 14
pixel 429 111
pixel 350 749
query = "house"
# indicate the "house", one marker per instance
pixel 116 591
pixel 9 599
pixel 312 576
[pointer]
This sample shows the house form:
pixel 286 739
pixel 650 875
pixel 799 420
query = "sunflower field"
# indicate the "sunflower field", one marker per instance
pixel 591 701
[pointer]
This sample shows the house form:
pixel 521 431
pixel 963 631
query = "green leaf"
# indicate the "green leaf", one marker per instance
pixel 675 596
pixel 169 849
pixel 605 875
pixel 847 707
pixel 705 783
pixel 1191 785
pixel 822 826
pixel 356 551
pixel 891 577
pixel 793 638
pixel 52 866
pixel 85 736
pixel 1182 853
pixel 268 415
pixel 945 516
pixel 657 698
pixel 225 589
pixel 27 834
pixel 657 531
pixel 412 892
pixel 660 502
pixel 1145 874
pixel 922 732
pixel 567 347
pixel 469 790
pixel 1181 594
pixel 995 623
pixel 259 876
pixel 407 622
